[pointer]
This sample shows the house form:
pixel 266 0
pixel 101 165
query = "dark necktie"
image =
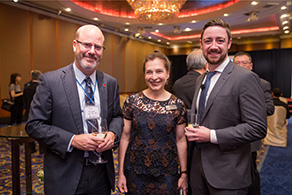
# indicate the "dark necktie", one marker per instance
pixel 202 101
pixel 89 100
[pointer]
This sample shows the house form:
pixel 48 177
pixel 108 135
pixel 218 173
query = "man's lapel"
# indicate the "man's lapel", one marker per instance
pixel 219 85
pixel 70 88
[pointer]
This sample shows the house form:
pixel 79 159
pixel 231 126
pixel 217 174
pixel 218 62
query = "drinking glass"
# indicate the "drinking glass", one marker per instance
pixel 101 133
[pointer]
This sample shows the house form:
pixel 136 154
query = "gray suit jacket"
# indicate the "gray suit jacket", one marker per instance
pixel 55 117
pixel 236 111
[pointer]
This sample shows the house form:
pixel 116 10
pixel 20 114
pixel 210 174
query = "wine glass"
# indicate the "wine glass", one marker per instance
pixel 101 133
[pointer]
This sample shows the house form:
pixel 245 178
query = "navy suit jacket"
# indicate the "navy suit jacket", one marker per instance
pixel 55 116
pixel 236 111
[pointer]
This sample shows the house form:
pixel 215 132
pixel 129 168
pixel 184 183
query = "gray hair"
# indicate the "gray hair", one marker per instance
pixel 196 60
pixel 35 74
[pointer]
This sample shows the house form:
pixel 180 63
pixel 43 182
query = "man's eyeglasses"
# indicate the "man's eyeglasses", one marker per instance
pixel 242 62
pixel 88 46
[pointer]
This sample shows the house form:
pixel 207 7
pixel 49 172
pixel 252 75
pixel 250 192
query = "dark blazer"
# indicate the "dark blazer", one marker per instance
pixel 28 94
pixel 266 86
pixel 55 116
pixel 184 87
pixel 236 111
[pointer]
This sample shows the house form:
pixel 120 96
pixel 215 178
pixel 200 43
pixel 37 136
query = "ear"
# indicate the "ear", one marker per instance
pixel 74 46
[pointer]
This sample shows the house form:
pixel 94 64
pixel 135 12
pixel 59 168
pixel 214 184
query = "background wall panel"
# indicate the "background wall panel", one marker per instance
pixel 44 43
pixel 14 46
pixel 66 36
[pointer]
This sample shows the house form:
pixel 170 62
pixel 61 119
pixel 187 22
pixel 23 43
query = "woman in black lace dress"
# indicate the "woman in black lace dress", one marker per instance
pixel 153 145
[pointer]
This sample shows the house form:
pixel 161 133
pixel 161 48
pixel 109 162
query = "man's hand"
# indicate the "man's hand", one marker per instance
pixel 86 142
pixel 107 143
pixel 199 134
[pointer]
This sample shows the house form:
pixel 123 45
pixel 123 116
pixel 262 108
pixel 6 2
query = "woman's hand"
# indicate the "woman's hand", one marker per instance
pixel 183 183
pixel 122 183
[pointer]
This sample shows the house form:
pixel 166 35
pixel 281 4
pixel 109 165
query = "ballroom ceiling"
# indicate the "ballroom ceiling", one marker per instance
pixel 248 19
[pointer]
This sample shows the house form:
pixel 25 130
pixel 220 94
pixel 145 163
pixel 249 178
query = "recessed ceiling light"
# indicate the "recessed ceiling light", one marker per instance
pixel 126 29
pixel 283 7
pixel 188 29
pixel 284 22
pixel 226 14
pixel 95 18
pixel 284 15
pixel 127 23
pixel 149 37
pixel 15 1
pixel 160 24
pixel 285 27
pixel 286 31
pixel 156 30
pixel 167 43
pixel 68 9
pixel 158 40
pixel 254 3
pixel 194 21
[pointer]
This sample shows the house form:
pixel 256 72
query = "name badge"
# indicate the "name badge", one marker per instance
pixel 171 107
pixel 91 112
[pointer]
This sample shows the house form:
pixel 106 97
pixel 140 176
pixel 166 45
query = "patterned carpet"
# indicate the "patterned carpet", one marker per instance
pixel 37 164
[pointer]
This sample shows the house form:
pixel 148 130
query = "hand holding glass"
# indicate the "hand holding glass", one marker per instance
pixel 101 133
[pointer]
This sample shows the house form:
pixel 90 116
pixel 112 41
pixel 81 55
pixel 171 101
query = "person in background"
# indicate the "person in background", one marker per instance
pixel 29 82
pixel 244 59
pixel 28 93
pixel 184 87
pixel 29 90
pixel 230 108
pixel 277 93
pixel 153 144
pixel 66 104
pixel 16 96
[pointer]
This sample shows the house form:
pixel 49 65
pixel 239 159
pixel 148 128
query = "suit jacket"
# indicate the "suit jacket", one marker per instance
pixel 236 111
pixel 28 94
pixel 55 116
pixel 184 88
pixel 266 86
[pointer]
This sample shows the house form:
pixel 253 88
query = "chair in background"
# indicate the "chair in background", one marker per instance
pixel 277 128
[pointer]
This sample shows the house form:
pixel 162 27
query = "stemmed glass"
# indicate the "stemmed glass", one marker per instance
pixel 101 133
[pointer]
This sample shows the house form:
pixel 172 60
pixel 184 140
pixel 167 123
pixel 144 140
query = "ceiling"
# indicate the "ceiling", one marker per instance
pixel 247 21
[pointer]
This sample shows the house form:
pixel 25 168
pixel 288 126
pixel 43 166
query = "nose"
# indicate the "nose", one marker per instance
pixel 154 75
pixel 213 44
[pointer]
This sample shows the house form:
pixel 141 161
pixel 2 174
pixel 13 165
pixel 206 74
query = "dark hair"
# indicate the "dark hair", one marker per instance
pixel 217 22
pixel 277 92
pixel 13 78
pixel 157 54
pixel 242 53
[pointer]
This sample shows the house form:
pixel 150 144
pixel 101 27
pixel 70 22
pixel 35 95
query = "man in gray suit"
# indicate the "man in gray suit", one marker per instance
pixel 232 116
pixel 59 120
pixel 244 59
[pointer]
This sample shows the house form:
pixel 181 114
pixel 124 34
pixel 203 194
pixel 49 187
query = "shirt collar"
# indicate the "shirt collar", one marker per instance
pixel 80 76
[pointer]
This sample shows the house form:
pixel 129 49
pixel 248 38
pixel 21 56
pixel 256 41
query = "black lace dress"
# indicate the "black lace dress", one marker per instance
pixel 151 162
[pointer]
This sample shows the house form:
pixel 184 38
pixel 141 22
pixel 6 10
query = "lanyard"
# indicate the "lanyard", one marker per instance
pixel 90 98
